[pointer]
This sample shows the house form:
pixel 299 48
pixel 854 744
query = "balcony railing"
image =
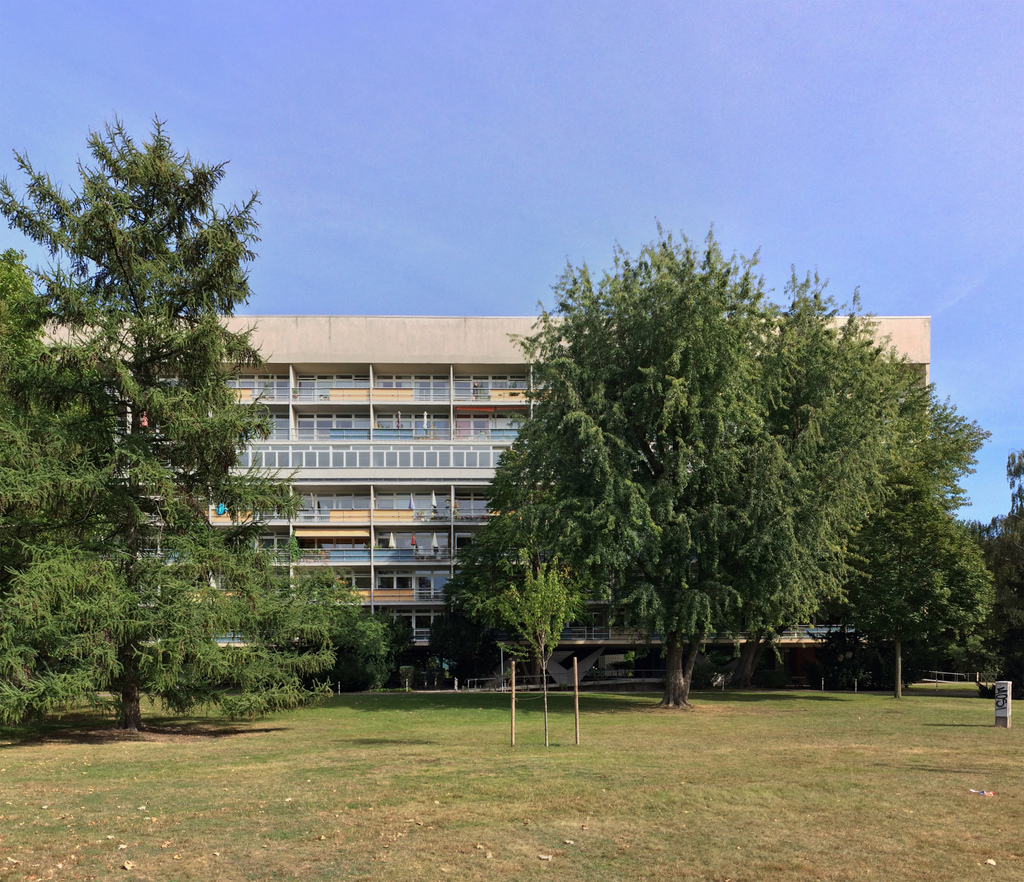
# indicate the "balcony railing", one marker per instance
pixel 274 455
pixel 407 516
pixel 466 390
pixel 441 554
pixel 509 435
pixel 263 394
pixel 471 511
pixel 334 555
pixel 383 395
pixel 411 555
pixel 355 394
pixel 403 595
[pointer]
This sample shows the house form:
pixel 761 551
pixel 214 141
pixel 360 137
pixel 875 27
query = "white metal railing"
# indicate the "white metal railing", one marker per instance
pixel 441 554
pixel 385 394
pixel 369 456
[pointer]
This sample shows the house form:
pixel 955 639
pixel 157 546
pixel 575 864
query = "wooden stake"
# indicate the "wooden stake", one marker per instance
pixel 513 704
pixel 576 697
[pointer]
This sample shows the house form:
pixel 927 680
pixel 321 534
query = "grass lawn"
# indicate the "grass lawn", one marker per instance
pixel 758 785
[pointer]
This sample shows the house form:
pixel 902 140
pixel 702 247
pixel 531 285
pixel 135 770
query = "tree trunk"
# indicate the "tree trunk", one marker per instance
pixel 897 689
pixel 753 647
pixel 675 694
pixel 679 670
pixel 689 660
pixel 130 714
pixel 544 680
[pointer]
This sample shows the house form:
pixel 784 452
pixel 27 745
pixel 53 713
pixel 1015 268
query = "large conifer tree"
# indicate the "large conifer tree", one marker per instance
pixel 123 434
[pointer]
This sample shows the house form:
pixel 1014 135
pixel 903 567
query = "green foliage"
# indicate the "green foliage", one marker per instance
pixel 467 649
pixel 369 649
pixel 537 611
pixel 1000 650
pixel 699 454
pixel 829 395
pixel 123 434
pixel 920 575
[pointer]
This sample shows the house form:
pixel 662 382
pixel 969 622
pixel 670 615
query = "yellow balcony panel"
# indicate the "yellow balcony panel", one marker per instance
pixel 393 516
pixel 394 595
pixel 243 396
pixel 226 519
pixel 358 396
pixel 331 533
pixel 383 395
pixel 346 516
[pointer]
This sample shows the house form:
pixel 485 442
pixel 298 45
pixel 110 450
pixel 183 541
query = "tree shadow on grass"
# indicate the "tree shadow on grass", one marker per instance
pixel 560 702
pixel 961 725
pixel 96 729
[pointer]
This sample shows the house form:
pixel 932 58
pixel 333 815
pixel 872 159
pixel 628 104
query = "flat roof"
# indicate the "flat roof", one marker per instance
pixel 310 341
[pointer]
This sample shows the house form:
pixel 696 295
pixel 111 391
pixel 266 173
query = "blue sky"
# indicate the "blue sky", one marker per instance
pixel 450 158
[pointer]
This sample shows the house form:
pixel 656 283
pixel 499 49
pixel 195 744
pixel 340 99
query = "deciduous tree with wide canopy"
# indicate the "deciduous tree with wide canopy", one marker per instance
pixel 695 449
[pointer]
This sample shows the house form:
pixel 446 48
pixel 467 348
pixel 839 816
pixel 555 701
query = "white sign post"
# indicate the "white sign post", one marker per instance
pixel 1004 701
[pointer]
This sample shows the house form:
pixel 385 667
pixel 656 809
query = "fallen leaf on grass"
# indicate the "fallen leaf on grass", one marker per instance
pixel 177 857
pixel 568 842
pixel 488 855
pixel 544 857
pixel 127 865
pixel 122 847
pixel 990 862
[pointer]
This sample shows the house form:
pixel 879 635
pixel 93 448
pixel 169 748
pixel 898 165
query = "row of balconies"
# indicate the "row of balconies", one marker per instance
pixel 469 394
pixel 470 511
pixel 441 554
pixel 410 434
pixel 382 455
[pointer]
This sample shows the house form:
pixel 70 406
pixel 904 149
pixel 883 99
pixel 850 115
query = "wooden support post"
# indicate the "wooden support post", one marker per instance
pixel 513 704
pixel 576 697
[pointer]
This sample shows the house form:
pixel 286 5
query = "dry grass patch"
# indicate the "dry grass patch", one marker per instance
pixel 787 786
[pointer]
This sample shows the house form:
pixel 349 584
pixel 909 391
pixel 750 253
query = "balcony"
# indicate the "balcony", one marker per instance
pixel 504 435
pixel 411 516
pixel 403 394
pixel 366 456
pixel 471 511
pixel 478 391
pixel 334 555
pixel 334 516
pixel 441 554
pixel 358 393
pixel 403 595
pixel 270 393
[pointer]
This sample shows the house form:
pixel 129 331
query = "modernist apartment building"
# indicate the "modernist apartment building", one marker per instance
pixel 391 428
